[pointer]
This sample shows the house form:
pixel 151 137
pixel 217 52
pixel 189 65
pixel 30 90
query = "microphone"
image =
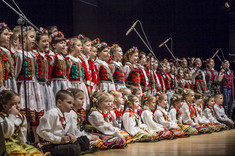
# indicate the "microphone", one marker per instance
pixel 20 21
pixel 215 53
pixel 164 42
pixel 132 27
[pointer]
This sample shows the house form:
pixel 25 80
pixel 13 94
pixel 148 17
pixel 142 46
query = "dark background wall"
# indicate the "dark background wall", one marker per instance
pixel 198 27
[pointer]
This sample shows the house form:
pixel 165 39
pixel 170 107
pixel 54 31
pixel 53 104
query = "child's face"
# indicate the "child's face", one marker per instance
pixel 155 65
pixel 87 48
pixel 43 45
pixel 66 105
pixel 60 47
pixel 219 100
pixel 163 103
pixel 168 68
pixel 78 47
pixel 119 101
pixel 79 101
pixel 106 104
pixel 134 58
pixel 136 104
pixel 211 102
pixel 211 64
pixel 14 102
pixel 104 54
pixel 181 73
pixel 143 60
pixel 178 104
pixel 138 94
pixel 93 53
pixel 118 54
pixel 152 104
pixel 198 101
pixel 29 40
pixel 190 97
pixel 4 38
pixel 184 63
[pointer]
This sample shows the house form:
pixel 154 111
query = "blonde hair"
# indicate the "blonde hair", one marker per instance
pixel 149 98
pixel 116 94
pixel 176 98
pixel 72 42
pixel 187 92
pixel 160 97
pixel 100 97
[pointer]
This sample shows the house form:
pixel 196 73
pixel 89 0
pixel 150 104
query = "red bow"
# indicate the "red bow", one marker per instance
pixel 117 112
pixel 63 121
pixel 178 111
pixel 220 106
pixel 108 116
pixel 131 112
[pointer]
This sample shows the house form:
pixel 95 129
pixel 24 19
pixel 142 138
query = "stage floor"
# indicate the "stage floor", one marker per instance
pixel 215 144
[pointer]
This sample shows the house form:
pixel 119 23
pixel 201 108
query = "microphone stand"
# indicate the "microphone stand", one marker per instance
pixel 22 20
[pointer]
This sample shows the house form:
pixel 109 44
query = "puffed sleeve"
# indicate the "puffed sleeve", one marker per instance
pixel 45 127
pixel 23 132
pixel 186 115
pixel 209 115
pixel 172 116
pixel 97 120
pixel 18 61
pixel 158 116
pixel 126 70
pixel 147 118
pixel 8 126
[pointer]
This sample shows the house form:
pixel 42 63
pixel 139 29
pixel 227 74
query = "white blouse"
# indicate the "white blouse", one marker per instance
pixel 8 127
pixel 186 115
pixel 50 127
pixel 172 116
pixel 96 119
pixel 220 113
pixel 210 116
pixel 147 117
pixel 159 117
pixel 200 115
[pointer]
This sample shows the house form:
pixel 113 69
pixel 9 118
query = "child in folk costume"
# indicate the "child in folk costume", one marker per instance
pixel 75 72
pixel 104 69
pixel 14 125
pixel 188 79
pixel 180 80
pixel 94 45
pixel 117 67
pixel 210 113
pixel 149 104
pixel 91 78
pixel 227 87
pixel 189 111
pixel 162 117
pixel 7 59
pixel 201 119
pixel 159 81
pixel 131 69
pixel 101 119
pixel 58 75
pixel 43 68
pixel 57 130
pixel 34 95
pixel 150 71
pixel 220 113
pixel 212 77
pixel 15 45
pixel 175 115
pixel 144 74
pixel 133 125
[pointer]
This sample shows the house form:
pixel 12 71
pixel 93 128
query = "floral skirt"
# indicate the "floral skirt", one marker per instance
pixel 188 129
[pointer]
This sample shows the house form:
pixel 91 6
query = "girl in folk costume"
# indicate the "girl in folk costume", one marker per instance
pixel 159 81
pixel 137 92
pixel 175 115
pixel 188 79
pixel 189 111
pixel 210 113
pixel 162 117
pixel 201 119
pixel 34 96
pixel 173 74
pixel 116 64
pixel 43 68
pixel 149 104
pixel 144 74
pixel 133 125
pixel 199 77
pixel 180 80
pixel 104 69
pixel 227 84
pixel 131 69
pixel 75 72
pixel 91 79
pixel 14 125
pixel 101 119
pixel 15 41
pixel 59 71
pixel 7 59
pixel 94 45
pixel 184 63
pixel 118 106
pixel 220 113
pixel 212 77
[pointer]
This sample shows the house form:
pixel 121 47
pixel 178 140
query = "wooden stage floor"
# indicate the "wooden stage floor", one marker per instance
pixel 215 144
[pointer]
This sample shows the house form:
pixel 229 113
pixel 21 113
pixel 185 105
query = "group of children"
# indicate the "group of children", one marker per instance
pixel 83 95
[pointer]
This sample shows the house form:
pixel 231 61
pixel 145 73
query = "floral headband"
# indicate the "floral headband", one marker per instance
pixel 132 50
pixel 28 28
pixel 158 95
pixel 114 46
pixel 165 60
pixel 186 91
pixel 102 44
pixel 95 41
pixel 111 92
pixel 42 31
pixel 80 36
pixel 57 34
pixel 2 25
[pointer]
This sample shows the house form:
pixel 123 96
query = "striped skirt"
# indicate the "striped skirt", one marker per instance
pixel 188 129
pixel 201 129
pixel 145 137
pixel 166 135
pixel 178 133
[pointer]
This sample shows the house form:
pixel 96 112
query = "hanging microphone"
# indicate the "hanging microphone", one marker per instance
pixel 215 53
pixel 132 27
pixel 164 42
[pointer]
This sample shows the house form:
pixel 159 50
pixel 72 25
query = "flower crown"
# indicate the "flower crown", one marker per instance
pixel 165 60
pixel 3 25
pixel 111 92
pixel 114 46
pixel 28 28
pixel 132 50
pixel 95 41
pixel 145 98
pixel 42 31
pixel 80 36
pixel 158 95
pixel 57 34
pixel 186 91
pixel 102 44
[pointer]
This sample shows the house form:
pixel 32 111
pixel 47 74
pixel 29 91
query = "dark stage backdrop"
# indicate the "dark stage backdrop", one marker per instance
pixel 198 27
